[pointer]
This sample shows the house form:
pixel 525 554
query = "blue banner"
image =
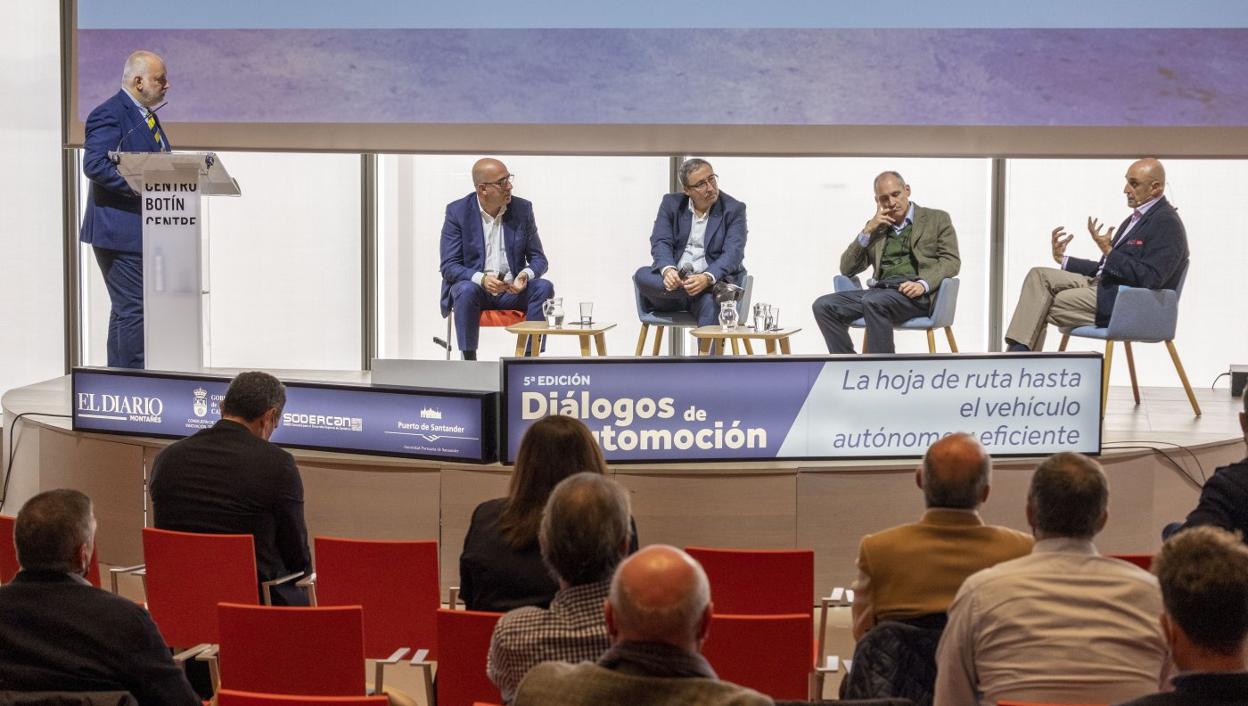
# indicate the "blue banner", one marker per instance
pixel 811 408
pixel 390 421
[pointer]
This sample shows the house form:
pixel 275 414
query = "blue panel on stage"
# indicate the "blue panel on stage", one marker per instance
pixel 392 421
pixel 834 407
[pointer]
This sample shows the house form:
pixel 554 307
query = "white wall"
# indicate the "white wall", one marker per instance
pixel 30 196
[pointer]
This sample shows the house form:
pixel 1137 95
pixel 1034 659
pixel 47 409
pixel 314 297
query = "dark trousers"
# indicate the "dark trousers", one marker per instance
pixel 657 298
pixel 468 300
pixel 123 276
pixel 880 308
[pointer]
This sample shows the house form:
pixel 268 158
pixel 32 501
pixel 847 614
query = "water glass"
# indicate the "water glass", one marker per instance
pixel 587 313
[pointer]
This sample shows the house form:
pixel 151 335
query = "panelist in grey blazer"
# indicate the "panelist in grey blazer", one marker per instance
pixel 911 250
pixel 698 240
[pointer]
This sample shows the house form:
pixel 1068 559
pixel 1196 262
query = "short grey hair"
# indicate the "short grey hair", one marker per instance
pixel 137 65
pixel 585 528
pixel 683 617
pixel 1069 493
pixel 688 167
pixel 49 529
pixel 883 175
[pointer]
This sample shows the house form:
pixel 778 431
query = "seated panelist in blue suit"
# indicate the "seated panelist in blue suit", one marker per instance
pixel 112 224
pixel 491 255
pixel 698 240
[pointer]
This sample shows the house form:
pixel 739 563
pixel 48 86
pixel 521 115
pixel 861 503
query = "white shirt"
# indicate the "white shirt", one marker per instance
pixel 1060 625
pixel 695 249
pixel 496 248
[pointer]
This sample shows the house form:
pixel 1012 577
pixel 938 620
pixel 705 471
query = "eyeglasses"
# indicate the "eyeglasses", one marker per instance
pixel 502 183
pixel 706 183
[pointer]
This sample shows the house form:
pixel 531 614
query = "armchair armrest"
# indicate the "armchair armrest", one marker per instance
pixel 1145 315
pixel 266 587
pixel 187 654
pixel 421 659
pixel 379 674
pixel 115 572
pixel 452 598
pixel 309 582
pixel 214 665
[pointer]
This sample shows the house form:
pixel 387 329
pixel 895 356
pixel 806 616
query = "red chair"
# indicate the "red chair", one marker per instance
pixel 8 555
pixel 464 636
pixel 767 653
pixel 313 651
pixel 396 582
pixel 1144 561
pixel 229 697
pixel 489 318
pixel 188 574
pixel 759 582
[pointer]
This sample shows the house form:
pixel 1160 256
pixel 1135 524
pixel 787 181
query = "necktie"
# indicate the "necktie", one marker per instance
pixel 151 123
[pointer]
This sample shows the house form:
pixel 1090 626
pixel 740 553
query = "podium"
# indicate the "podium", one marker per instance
pixel 170 186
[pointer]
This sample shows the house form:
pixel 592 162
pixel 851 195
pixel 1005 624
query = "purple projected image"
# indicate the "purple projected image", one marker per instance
pixel 955 77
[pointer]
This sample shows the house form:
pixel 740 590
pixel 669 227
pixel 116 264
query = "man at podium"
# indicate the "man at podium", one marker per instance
pixel 112 225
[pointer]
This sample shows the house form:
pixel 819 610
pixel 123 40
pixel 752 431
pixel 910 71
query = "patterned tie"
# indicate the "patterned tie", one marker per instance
pixel 151 123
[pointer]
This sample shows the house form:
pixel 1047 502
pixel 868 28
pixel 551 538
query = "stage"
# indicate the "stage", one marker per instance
pixel 1156 454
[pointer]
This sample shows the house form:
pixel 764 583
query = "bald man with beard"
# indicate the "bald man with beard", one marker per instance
pixel 1149 251
pixel 658 614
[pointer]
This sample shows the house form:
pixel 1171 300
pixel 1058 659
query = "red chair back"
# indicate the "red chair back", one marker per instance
pixel 501 317
pixel 395 582
pixel 759 582
pixel 315 651
pixel 188 574
pixel 9 565
pixel 767 653
pixel 1144 561
pixel 465 639
pixel 229 697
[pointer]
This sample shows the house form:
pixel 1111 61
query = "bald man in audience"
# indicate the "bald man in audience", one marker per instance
pixel 658 614
pixel 1204 585
pixel 911 572
pixel 1149 251
pixel 1062 625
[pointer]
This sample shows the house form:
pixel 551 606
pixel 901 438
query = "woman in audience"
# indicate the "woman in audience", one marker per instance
pixel 501 566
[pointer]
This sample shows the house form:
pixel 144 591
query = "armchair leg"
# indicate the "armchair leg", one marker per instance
pixel 658 339
pixel 953 345
pixel 1135 388
pixel 1062 346
pixel 1109 359
pixel 864 341
pixel 1187 387
pixel 641 339
pixel 931 341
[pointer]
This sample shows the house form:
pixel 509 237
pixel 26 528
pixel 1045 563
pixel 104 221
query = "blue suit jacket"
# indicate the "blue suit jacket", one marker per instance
pixel 725 235
pixel 112 218
pixel 463 242
pixel 1151 256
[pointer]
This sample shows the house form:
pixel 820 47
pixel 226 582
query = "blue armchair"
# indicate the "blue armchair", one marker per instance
pixel 943 309
pixel 679 319
pixel 1139 316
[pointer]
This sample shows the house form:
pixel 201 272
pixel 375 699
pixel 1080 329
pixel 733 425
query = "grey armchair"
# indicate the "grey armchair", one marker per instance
pixel 943 309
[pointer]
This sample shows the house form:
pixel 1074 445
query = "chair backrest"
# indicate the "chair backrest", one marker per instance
pixel 315 651
pixel 9 565
pixel 758 581
pixel 188 574
pixel 465 639
pixel 767 653
pixel 396 582
pixel 946 304
pixel 229 697
pixel 1144 561
pixel 500 317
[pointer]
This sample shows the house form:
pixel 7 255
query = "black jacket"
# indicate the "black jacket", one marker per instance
pixel 1224 500
pixel 895 660
pixel 225 480
pixel 59 633
pixel 1201 689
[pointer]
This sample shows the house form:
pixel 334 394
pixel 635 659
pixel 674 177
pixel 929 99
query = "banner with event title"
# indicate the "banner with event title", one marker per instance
pixel 390 421
pixel 707 409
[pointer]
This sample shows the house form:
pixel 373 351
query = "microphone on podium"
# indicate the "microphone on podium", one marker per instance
pixel 114 156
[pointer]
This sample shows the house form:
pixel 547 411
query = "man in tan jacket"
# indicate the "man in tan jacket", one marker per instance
pixel 913 571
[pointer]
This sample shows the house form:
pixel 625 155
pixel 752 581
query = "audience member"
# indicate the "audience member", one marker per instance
pixel 1062 625
pixel 60 633
pixel 1224 499
pixel 229 479
pixel 658 614
pixel 501 566
pixel 912 571
pixel 1204 585
pixel 583 536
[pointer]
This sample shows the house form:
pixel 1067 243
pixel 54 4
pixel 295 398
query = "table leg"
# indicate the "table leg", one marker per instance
pixel 771 346
pixel 600 340
pixel 784 346
pixel 520 338
pixel 736 346
pixel 584 339
pixel 749 349
pixel 704 346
